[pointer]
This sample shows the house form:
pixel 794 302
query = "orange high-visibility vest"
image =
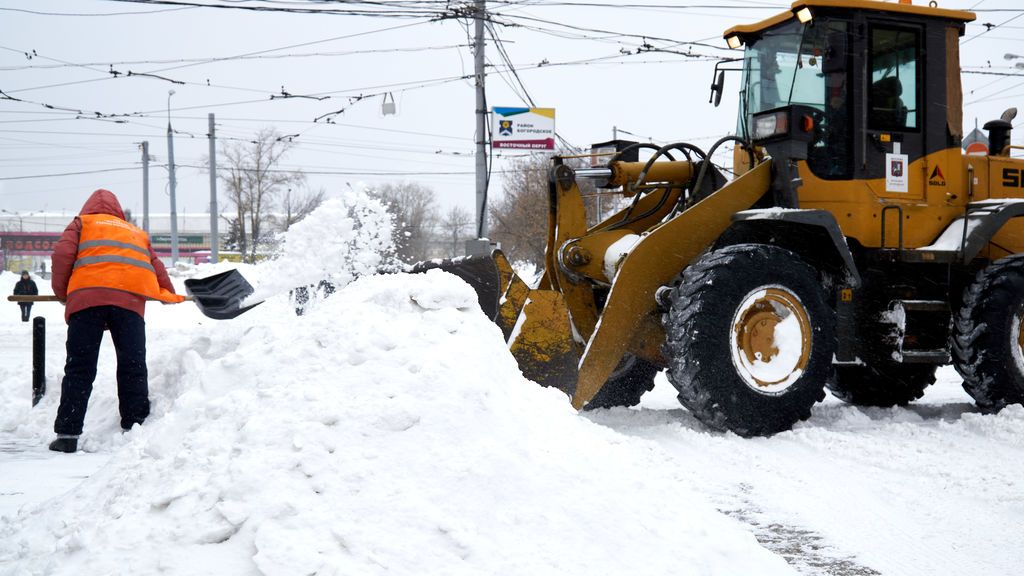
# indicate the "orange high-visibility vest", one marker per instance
pixel 114 254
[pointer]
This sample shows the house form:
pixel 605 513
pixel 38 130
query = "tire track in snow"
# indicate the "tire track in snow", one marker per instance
pixel 928 489
pixel 805 550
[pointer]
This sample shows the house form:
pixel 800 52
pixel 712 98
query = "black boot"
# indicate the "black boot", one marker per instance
pixel 67 444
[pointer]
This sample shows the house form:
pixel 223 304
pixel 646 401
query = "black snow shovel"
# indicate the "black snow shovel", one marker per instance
pixel 220 296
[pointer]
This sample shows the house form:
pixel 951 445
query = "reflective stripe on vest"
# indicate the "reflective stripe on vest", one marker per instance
pixel 119 259
pixel 115 254
pixel 113 244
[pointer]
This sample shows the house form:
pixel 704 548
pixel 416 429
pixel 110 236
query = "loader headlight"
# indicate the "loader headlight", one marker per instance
pixel 733 41
pixel 769 125
pixel 793 124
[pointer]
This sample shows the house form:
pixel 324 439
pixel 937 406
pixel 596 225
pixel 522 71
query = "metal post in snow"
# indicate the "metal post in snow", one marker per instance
pixel 38 359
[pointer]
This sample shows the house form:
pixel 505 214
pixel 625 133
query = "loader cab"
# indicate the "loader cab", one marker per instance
pixel 860 69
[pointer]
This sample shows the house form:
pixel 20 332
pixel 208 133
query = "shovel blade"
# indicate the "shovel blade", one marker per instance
pixel 220 296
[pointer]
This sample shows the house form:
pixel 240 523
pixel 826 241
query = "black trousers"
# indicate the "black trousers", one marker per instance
pixel 85 331
pixel 26 310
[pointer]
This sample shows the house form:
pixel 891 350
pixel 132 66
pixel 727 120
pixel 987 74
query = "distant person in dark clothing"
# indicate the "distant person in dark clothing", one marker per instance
pixel 104 270
pixel 25 287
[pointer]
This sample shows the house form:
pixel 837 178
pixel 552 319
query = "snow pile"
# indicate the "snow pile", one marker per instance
pixel 343 239
pixel 388 431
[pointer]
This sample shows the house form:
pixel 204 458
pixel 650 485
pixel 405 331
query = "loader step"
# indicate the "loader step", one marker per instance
pixel 925 356
pixel 924 305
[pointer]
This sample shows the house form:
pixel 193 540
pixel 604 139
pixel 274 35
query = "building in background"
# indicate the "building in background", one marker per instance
pixel 27 238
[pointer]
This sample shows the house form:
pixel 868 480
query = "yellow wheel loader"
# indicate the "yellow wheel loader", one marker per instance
pixel 856 247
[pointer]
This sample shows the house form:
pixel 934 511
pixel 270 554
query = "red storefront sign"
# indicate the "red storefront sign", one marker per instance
pixel 28 243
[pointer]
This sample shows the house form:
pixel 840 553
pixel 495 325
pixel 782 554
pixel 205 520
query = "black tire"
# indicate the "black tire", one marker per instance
pixel 987 350
pixel 628 383
pixel 714 296
pixel 882 384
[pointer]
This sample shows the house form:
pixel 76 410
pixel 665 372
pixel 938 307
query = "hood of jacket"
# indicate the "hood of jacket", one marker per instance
pixel 102 202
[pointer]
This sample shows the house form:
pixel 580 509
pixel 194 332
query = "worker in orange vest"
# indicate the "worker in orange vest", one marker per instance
pixel 104 269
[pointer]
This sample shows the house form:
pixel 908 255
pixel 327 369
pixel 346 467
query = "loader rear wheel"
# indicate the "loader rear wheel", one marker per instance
pixel 749 339
pixel 882 384
pixel 628 383
pixel 988 335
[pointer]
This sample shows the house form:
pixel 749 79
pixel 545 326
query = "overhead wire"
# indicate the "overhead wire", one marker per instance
pixel 990 27
pixel 99 171
pixel 228 58
pixel 87 14
pixel 382 9
pixel 392 50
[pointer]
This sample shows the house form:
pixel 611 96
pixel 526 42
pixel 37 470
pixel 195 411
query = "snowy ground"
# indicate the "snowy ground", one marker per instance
pixel 387 431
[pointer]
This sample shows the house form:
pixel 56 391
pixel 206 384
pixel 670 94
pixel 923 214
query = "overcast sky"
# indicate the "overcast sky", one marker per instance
pixel 61 54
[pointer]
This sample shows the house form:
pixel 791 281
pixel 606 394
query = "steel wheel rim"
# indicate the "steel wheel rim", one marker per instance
pixel 770 339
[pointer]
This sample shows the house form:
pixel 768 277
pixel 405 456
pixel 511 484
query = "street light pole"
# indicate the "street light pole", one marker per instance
pixel 214 213
pixel 481 118
pixel 21 227
pixel 170 165
pixel 145 186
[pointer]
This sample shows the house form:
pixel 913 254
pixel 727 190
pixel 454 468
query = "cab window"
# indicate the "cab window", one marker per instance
pixel 892 98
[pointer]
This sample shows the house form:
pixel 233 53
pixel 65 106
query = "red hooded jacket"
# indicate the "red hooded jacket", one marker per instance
pixel 66 252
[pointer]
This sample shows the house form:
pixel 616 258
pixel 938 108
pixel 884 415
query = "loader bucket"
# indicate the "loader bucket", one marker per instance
pixel 535 323
pixel 543 343
pixel 220 296
pixel 480 272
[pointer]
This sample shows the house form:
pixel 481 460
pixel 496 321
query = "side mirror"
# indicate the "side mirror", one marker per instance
pixel 717 87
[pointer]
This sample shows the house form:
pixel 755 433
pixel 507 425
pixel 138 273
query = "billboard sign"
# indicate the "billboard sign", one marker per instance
pixel 28 243
pixel 523 128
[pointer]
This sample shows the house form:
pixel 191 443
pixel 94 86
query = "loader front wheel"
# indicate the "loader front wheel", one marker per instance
pixel 988 335
pixel 749 339
pixel 628 383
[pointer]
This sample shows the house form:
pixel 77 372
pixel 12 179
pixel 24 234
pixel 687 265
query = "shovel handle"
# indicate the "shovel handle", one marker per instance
pixel 22 298
pixel 51 298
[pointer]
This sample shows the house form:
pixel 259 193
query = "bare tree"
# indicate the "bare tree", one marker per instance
pixel 252 182
pixel 519 219
pixel 296 205
pixel 415 211
pixel 234 238
pixel 454 225
pixel 231 175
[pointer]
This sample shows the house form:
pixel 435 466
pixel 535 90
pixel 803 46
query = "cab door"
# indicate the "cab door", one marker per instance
pixel 891 145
